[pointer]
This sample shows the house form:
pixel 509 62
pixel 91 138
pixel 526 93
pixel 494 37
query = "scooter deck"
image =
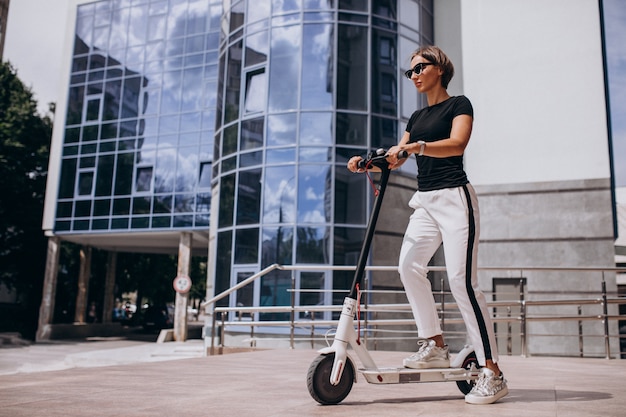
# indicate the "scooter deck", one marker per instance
pixel 409 375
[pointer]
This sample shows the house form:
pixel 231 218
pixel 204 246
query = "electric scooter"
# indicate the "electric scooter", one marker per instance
pixel 331 375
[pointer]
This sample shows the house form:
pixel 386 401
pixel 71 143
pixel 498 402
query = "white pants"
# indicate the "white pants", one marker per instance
pixel 449 216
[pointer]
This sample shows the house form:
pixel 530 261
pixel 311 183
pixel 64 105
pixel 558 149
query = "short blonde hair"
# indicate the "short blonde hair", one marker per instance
pixel 436 56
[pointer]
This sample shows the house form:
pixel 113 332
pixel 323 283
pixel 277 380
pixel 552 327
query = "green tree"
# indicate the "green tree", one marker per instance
pixel 24 149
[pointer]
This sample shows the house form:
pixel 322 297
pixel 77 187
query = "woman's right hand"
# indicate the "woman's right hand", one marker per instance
pixel 353 164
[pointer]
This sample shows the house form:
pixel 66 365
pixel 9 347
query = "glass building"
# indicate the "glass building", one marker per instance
pixel 251 106
pixel 140 117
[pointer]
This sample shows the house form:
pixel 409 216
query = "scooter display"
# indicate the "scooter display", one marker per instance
pixel 331 375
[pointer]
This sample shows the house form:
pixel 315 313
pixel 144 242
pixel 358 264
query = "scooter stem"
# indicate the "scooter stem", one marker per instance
pixel 346 335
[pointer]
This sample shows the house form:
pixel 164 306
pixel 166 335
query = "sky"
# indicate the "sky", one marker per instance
pixel 36 30
pixel 34 45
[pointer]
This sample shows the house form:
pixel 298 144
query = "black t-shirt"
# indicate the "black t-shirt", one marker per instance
pixel 431 124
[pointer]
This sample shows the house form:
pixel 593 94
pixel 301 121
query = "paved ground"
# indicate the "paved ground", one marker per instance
pixel 117 377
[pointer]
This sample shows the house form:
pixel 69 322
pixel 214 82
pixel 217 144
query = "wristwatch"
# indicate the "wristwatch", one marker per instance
pixel 422 145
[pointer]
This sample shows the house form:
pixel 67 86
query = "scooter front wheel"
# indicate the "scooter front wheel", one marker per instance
pixel 470 361
pixel 318 380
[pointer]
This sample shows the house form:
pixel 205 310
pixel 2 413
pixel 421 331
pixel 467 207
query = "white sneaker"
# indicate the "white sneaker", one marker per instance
pixel 428 355
pixel 488 389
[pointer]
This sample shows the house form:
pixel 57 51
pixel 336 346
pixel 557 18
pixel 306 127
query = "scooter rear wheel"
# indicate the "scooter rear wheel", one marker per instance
pixel 318 380
pixel 470 360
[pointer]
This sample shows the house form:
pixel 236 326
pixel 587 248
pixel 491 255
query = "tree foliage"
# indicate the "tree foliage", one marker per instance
pixel 24 148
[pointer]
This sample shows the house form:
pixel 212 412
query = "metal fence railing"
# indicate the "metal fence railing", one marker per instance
pixel 306 325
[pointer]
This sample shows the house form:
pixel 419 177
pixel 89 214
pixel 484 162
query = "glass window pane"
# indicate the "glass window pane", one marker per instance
pixel 279 194
pixel 258 10
pixel 250 159
pixel 257 48
pixel 285 50
pixel 350 197
pixel 230 140
pixel 85 183
pixel 223 264
pixel 315 154
pixel 312 245
pixel 384 132
pixel 227 201
pixel 124 174
pixel 112 100
pixel 347 245
pixel 357 5
pixel 141 205
pixel 252 133
pixel 275 288
pixel 385 8
pixel 281 129
pixel 249 197
pixel 205 175
pixel 184 203
pixel 280 156
pixel 101 207
pixel 316 129
pixel 104 176
pixel 351 129
pixel 384 73
pixel 247 246
pixel 314 194
pixel 256 91
pixel 283 6
pixel 233 84
pixel 162 204
pixel 317 67
pixel 277 246
pixel 351 61
pixel 143 181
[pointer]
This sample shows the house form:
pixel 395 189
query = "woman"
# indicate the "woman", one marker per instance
pixel 446 211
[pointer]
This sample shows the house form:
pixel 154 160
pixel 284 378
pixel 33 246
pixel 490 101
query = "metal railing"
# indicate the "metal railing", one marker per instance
pixel 371 326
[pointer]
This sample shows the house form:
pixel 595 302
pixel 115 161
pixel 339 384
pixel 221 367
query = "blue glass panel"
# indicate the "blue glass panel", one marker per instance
pixel 316 129
pixel 315 154
pixel 279 195
pixel 283 6
pixel 281 129
pixel 285 45
pixel 352 63
pixel 257 48
pixel 247 246
pixel 280 156
pixel 312 245
pixel 187 169
pixel 277 246
pixel 249 197
pixel 314 193
pixel 317 67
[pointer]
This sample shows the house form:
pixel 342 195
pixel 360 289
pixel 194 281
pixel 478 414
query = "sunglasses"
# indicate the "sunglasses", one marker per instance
pixel 417 69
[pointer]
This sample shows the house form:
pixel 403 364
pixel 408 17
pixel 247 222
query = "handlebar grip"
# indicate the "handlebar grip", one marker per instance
pixel 403 154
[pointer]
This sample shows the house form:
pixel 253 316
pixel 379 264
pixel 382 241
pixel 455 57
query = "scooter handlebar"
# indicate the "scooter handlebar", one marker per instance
pixel 378 156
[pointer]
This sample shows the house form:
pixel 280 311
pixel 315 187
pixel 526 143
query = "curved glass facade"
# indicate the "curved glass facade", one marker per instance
pixel 303 85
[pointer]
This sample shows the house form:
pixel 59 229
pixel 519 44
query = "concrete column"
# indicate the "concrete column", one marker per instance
pixel 109 288
pixel 182 299
pixel 46 310
pixel 83 285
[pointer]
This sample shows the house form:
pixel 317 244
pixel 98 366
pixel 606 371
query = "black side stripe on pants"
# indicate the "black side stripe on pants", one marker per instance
pixel 468 275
